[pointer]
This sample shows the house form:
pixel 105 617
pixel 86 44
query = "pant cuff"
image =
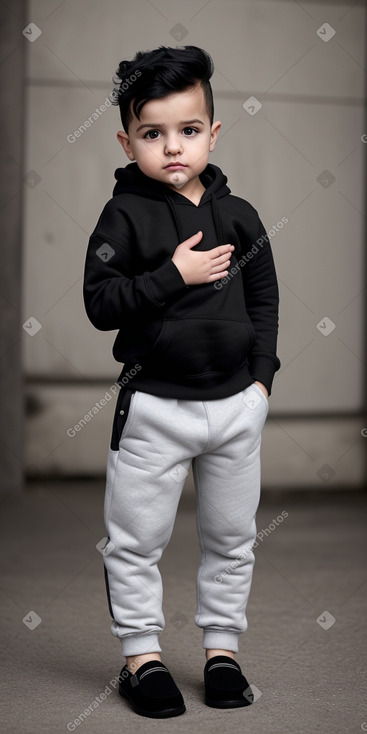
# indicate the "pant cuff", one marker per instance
pixel 140 644
pixel 220 639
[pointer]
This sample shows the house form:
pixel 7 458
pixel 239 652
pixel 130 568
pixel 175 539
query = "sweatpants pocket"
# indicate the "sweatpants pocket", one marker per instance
pixel 260 392
pixel 122 413
pixel 256 407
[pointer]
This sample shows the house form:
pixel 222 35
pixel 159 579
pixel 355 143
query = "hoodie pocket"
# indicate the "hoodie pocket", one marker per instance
pixel 200 346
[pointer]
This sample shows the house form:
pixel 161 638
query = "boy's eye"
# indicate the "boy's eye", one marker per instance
pixel 189 130
pixel 154 134
pixel 151 134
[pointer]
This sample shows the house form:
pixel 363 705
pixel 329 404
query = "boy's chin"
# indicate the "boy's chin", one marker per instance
pixel 178 179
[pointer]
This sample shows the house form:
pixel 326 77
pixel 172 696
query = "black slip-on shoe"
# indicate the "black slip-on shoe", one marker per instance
pixel 151 691
pixel 225 686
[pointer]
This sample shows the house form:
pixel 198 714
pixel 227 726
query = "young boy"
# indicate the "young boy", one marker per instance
pixel 184 271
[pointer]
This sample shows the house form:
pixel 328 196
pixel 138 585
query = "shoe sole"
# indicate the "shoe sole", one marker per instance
pixel 226 704
pixel 164 714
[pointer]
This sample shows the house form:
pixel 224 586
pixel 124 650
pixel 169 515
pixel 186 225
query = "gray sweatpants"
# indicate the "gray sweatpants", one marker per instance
pixel 154 440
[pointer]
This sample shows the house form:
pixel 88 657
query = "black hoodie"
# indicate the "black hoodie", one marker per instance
pixel 197 342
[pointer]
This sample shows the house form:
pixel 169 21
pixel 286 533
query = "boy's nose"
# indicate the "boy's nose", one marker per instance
pixel 173 145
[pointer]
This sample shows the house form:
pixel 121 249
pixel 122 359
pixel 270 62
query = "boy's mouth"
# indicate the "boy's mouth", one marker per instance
pixel 176 165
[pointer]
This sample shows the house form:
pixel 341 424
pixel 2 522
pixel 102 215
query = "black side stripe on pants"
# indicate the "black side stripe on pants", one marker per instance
pixel 108 592
pixel 120 418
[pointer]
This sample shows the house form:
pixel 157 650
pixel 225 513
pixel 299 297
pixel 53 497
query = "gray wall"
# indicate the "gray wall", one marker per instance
pixel 301 156
pixel 12 57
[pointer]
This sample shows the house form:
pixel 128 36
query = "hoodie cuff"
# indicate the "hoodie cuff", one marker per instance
pixel 263 370
pixel 164 282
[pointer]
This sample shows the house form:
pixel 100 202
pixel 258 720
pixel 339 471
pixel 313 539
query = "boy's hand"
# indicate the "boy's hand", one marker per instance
pixel 262 387
pixel 201 266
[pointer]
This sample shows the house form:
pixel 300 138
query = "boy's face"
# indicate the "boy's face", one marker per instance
pixel 172 129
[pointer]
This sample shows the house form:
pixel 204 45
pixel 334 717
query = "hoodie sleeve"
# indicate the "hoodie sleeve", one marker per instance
pixel 112 292
pixel 262 303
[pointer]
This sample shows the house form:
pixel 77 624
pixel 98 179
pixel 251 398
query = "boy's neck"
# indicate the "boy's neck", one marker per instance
pixel 193 193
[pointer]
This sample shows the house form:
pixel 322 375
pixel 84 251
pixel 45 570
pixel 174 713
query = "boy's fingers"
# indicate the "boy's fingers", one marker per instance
pixel 193 240
pixel 218 268
pixel 222 258
pixel 218 276
pixel 221 250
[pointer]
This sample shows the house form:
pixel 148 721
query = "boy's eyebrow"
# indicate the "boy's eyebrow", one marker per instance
pixel 161 124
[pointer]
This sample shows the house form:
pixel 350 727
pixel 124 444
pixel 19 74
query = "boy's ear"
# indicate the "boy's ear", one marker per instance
pixel 216 126
pixel 124 140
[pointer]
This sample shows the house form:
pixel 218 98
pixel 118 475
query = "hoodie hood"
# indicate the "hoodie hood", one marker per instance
pixel 131 180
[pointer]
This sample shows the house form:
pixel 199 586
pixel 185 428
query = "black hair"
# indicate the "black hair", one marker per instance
pixel 157 73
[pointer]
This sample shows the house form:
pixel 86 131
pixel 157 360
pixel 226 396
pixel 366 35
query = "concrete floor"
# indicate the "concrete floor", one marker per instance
pixel 309 678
